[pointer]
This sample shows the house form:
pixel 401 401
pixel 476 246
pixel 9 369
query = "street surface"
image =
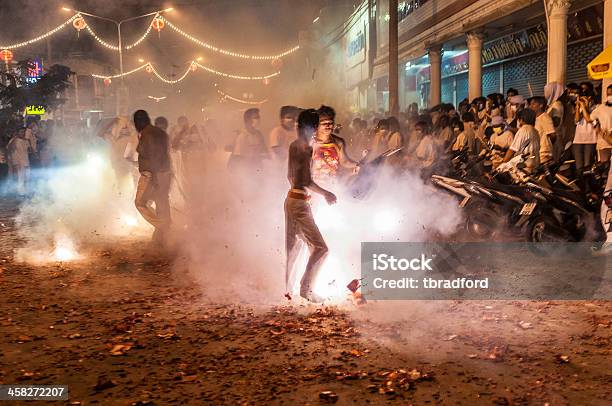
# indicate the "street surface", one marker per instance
pixel 126 327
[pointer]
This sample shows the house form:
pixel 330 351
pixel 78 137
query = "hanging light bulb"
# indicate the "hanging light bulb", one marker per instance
pixel 79 24
pixel 107 82
pixel 6 55
pixel 158 24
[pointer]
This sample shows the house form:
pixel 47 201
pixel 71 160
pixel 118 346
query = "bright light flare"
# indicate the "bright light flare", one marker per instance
pixel 328 217
pixel 64 249
pixel 94 161
pixel 386 220
pixel 129 221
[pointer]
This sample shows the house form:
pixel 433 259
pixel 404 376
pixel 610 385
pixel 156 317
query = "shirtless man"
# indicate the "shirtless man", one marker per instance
pixel 299 221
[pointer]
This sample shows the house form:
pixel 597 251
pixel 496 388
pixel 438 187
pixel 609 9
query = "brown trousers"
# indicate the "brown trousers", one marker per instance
pixel 299 223
pixel 154 188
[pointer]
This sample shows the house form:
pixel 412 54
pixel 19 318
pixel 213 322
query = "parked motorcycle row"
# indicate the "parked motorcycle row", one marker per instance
pixel 547 204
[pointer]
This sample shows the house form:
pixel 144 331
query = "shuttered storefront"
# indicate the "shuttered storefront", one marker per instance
pixel 578 56
pixel 462 87
pixel 524 72
pixel 490 80
pixel 448 90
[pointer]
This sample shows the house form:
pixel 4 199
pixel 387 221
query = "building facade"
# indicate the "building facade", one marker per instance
pixel 450 50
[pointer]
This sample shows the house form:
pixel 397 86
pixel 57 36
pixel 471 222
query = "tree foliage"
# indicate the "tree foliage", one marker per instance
pixel 16 93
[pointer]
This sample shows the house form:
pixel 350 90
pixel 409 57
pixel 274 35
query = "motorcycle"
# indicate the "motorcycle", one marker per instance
pixel 490 206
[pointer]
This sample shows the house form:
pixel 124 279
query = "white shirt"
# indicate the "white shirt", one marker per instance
pixel 503 140
pixel 603 114
pixel 281 138
pixel 426 151
pixel 18 149
pixel 585 133
pixel 527 141
pixel 545 127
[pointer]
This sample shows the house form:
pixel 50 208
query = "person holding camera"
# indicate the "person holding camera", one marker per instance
pixel 602 117
pixel 585 137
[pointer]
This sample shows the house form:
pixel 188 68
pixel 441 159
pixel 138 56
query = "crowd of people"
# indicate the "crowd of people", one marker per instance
pixel 576 118
pixel 23 148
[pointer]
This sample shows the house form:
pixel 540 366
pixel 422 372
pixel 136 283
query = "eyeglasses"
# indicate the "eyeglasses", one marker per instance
pixel 326 124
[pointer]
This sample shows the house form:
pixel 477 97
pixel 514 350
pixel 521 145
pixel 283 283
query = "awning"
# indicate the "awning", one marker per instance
pixel 601 66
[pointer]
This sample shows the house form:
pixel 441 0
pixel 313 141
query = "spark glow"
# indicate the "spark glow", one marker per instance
pixel 64 249
pixel 129 221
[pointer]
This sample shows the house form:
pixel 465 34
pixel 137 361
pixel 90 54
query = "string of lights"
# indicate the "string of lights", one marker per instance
pixel 100 40
pixel 192 68
pixel 41 37
pixel 225 51
pixel 119 75
pixel 227 96
pixel 114 47
pixel 145 35
pixel 227 75
pixel 159 18
pixel 172 81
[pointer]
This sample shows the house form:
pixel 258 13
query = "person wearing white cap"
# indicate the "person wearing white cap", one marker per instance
pixel 515 103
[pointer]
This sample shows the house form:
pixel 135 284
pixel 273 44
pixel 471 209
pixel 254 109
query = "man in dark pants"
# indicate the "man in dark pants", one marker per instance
pixel 299 221
pixel 155 176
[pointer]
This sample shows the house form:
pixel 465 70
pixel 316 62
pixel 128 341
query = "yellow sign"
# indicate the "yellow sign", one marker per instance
pixel 601 66
pixel 35 110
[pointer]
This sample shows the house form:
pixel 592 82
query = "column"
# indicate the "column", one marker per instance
pixel 435 75
pixel 402 87
pixel 474 44
pixel 557 39
pixel 393 59
pixel 607 38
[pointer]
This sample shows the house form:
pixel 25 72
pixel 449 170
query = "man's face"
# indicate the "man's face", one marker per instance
pixel 382 131
pixel 419 132
pixel 326 126
pixel 21 133
pixel 288 122
pixel 535 106
pixel 435 116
